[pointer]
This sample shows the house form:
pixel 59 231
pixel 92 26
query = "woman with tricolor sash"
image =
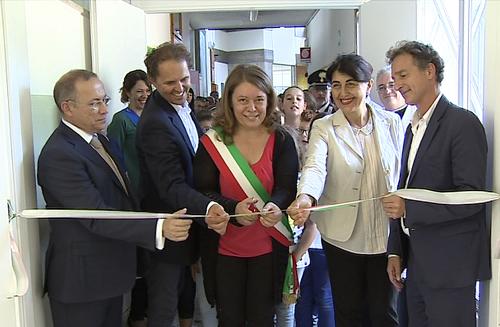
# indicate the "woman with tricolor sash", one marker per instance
pixel 353 154
pixel 248 164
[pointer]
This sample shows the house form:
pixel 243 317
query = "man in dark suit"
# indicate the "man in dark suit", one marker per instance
pixel 446 247
pixel 91 263
pixel 167 139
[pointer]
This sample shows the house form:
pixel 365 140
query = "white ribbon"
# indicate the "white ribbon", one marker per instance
pixel 461 197
pixel 450 198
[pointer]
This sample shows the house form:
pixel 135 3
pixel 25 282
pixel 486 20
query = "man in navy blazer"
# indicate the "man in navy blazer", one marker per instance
pixel 446 247
pixel 90 263
pixel 167 139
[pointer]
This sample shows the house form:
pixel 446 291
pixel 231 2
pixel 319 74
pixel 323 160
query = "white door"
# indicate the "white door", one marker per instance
pixel 9 304
pixel 7 280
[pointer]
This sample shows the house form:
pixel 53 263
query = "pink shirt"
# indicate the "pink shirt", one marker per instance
pixel 253 240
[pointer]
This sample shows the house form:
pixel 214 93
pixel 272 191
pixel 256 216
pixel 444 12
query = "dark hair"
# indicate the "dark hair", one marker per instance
pixel 307 115
pixel 215 95
pixel 423 55
pixel 164 52
pixel 129 81
pixel 206 114
pixel 251 74
pixel 353 65
pixel 64 89
pixel 292 87
pixel 191 103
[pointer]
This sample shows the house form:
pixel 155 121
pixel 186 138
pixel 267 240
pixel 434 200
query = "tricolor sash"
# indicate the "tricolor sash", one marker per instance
pixel 229 160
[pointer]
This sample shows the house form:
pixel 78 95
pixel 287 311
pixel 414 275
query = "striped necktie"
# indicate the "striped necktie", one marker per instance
pixel 97 145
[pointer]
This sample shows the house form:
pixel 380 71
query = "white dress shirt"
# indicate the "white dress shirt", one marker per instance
pixel 184 113
pixel 418 128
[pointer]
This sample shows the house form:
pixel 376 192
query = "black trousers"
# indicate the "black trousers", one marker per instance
pixel 361 289
pixel 438 307
pixel 164 282
pixel 244 291
pixel 139 300
pixel 187 295
pixel 103 313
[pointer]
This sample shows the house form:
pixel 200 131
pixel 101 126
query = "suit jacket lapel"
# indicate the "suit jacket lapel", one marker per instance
pixel 106 145
pixel 176 120
pixel 430 131
pixel 345 133
pixel 83 147
pixel 86 150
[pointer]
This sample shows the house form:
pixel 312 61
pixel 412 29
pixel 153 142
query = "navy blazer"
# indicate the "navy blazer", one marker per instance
pixel 166 170
pixel 449 243
pixel 88 260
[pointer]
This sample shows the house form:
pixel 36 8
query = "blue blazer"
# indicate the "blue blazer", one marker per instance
pixel 166 170
pixel 450 243
pixel 87 260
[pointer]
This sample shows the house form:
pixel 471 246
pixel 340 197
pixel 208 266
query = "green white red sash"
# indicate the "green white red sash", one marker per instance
pixel 229 160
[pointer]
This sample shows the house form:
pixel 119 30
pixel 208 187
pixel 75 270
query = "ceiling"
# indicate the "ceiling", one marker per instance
pixel 235 14
pixel 249 19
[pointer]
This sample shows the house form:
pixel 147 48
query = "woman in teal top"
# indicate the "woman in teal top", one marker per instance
pixel 135 91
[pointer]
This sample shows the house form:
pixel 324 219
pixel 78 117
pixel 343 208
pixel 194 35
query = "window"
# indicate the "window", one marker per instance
pixel 283 77
pixel 456 31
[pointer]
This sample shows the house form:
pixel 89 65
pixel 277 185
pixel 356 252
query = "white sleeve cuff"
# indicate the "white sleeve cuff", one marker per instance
pixel 210 206
pixel 160 240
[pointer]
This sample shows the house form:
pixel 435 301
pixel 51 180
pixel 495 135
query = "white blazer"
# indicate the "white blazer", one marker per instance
pixel 334 164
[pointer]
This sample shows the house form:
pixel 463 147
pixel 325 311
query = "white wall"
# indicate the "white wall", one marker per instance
pixel 490 294
pixel 116 51
pixel 243 40
pixel 330 33
pixel 157 29
pixel 284 45
pixel 53 50
pixel 382 24
pixel 221 72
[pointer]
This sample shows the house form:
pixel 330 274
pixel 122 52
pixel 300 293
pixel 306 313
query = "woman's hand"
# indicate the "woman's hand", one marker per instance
pixel 246 206
pixel 272 215
pixel 296 209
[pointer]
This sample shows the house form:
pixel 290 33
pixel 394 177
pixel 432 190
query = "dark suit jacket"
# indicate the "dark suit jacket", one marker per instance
pixel 449 243
pixel 285 170
pixel 87 260
pixel 166 169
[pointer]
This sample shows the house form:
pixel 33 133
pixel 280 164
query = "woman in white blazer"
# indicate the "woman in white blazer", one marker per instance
pixel 353 154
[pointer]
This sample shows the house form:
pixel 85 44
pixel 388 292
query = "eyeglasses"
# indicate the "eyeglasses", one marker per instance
pixel 386 87
pixel 95 105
